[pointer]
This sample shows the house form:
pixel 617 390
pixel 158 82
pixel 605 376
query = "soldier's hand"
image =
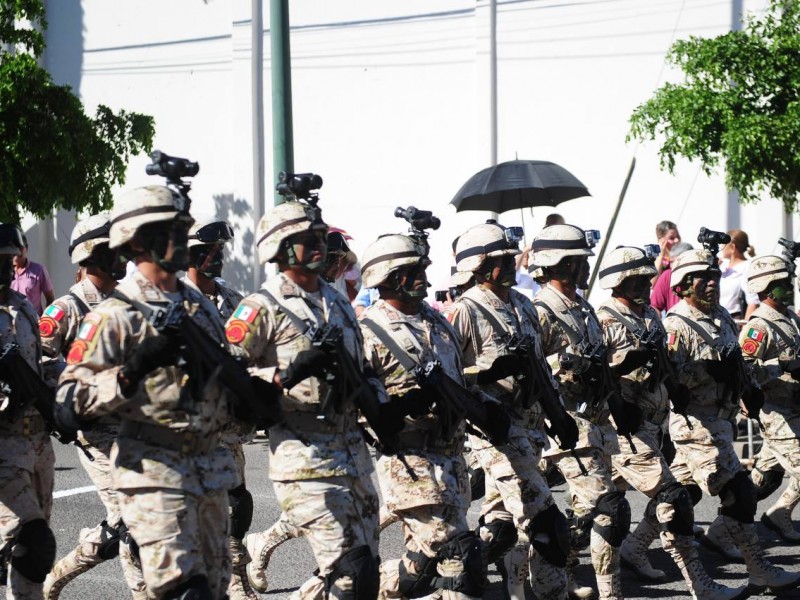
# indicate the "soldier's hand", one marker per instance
pixel 497 428
pixel 392 416
pixel 634 359
pixel 307 363
pixel 680 398
pixel 268 407
pixel 574 362
pixel 416 402
pixel 753 400
pixel 792 367
pixel 502 367
pixel 718 369
pixel 151 353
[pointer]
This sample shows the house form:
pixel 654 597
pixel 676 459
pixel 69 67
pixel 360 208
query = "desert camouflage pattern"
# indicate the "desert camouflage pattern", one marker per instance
pixel 225 298
pixel 127 216
pixel 26 453
pixel 387 254
pixel 763 270
pixel 704 453
pixel 279 223
pixel 84 250
pixel 59 323
pixel 549 257
pixel 477 238
pixel 624 256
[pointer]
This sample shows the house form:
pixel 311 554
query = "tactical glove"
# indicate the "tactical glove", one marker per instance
pixel 718 369
pixel 680 396
pixel 633 360
pixel 308 363
pixel 792 367
pixel 502 367
pixel 151 353
pixel 266 409
pixel 498 425
pixel 575 363
pixel 753 400
pixel 392 415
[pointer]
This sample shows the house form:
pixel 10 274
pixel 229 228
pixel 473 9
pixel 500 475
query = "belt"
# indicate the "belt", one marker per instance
pixel 656 417
pixel 419 441
pixel 23 426
pixel 308 422
pixel 713 410
pixel 185 442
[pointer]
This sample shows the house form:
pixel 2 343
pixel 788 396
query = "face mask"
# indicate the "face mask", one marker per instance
pixel 301 250
pixel 109 261
pixel 208 259
pixel 782 293
pixel 636 290
pixel 6 272
pixel 168 244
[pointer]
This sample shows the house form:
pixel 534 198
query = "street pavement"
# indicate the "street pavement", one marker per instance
pixel 292 563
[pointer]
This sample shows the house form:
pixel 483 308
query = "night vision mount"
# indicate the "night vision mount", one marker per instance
pixel 303 188
pixel 791 252
pixel 174 169
pixel 419 220
pixel 711 241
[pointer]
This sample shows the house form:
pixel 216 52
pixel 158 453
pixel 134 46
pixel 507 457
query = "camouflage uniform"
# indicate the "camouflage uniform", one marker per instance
pixel 225 298
pixel 319 469
pixel 170 471
pixel 26 455
pixel 515 488
pixel 58 327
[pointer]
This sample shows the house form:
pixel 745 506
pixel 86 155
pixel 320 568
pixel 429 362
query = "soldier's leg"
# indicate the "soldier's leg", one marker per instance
pixel 785 449
pixel 260 545
pixel 338 517
pixel 213 510
pixel 767 473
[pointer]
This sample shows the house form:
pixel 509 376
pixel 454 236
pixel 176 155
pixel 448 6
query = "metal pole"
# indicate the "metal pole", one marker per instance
pixel 257 110
pixel 734 211
pixel 607 237
pixel 282 135
pixel 493 85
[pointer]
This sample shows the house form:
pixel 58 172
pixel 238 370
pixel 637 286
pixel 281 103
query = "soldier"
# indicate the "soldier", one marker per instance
pixel 631 331
pixel 319 463
pixel 518 509
pixel 426 483
pixel 771 343
pixel 702 343
pixel 58 327
pixel 569 326
pixel 170 471
pixel 26 458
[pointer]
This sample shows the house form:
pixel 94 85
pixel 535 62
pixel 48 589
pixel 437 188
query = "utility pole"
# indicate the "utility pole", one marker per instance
pixel 257 112
pixel 282 132
pixel 734 208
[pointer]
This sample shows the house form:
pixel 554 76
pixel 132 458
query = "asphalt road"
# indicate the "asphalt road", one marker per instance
pixel 292 563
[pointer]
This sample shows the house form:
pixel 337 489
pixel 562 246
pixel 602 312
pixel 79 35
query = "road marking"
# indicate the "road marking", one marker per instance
pixel 75 491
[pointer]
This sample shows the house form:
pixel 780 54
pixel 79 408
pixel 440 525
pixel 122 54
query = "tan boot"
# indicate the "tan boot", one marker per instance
pixel 67 569
pixel 633 552
pixel 763 574
pixel 683 551
pixel 260 546
pixel 778 517
pixel 386 518
pixel 717 539
pixel 239 587
pixel 609 587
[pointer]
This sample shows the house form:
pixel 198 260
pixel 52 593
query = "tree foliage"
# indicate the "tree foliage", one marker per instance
pixel 739 104
pixel 54 154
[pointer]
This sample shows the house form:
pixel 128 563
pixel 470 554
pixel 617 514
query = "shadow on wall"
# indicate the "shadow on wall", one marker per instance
pixel 239 260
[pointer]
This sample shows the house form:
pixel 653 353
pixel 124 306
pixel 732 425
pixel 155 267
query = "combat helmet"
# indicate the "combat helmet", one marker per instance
pixel 283 221
pixel 692 261
pixel 763 270
pixel 389 253
pixel 553 243
pixel 208 229
pixel 483 241
pixel 10 240
pixel 87 235
pixel 143 205
pixel 624 262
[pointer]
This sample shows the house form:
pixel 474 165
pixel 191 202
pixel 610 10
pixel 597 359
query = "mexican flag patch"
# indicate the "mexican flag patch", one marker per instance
pixel 755 334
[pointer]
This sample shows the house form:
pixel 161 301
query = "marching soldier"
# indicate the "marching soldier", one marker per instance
pixel 636 345
pixel 59 327
pixel 170 470
pixel 26 454
pixel 702 343
pixel 569 327
pixel 319 463
pixel 518 509
pixel 771 343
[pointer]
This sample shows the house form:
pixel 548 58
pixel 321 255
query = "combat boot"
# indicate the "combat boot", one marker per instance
pixel 609 587
pixel 239 587
pixel 684 552
pixel 577 591
pixel 633 552
pixel 260 546
pixel 778 517
pixel 717 539
pixel 67 569
pixel 763 574
pixel 386 518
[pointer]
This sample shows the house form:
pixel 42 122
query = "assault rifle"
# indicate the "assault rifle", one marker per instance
pixel 203 359
pixel 738 381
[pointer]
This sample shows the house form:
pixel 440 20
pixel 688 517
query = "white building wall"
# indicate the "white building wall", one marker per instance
pixel 391 105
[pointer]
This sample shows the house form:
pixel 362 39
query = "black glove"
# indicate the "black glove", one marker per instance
pixel 308 363
pixel 567 432
pixel 392 415
pixel 67 423
pixel 792 367
pixel 265 409
pixel 151 353
pixel 497 427
pixel 753 400
pixel 502 367
pixel 632 417
pixel 680 396
pixel 718 369
pixel 633 360
pixel 416 402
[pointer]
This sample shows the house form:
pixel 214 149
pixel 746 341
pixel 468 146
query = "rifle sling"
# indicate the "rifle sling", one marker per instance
pixel 575 337
pixel 301 324
pixel 400 353
pixel 790 343
pixel 711 341
pixel 83 308
pixel 491 315
pixel 637 331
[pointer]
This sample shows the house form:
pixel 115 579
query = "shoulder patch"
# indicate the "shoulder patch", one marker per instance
pixel 236 331
pixel 89 327
pixel 245 313
pixel 672 340
pixel 750 347
pixel 76 352
pixel 755 334
pixel 47 326
pixel 54 312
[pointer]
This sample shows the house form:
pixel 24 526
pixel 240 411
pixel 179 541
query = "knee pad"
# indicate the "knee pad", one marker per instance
pixel 477 483
pixel 504 537
pixel 467 548
pixel 616 507
pixel 579 530
pixel 362 567
pixel 549 535
pixel 241 503
pixel 34 550
pixel 196 588
pixel 109 541
pixel 770 481
pixel 419 584
pixel 738 498
pixel 683 520
pixel 126 538
pixel 694 491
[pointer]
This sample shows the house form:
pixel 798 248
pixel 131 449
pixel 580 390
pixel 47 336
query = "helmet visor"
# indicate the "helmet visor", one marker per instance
pixel 213 233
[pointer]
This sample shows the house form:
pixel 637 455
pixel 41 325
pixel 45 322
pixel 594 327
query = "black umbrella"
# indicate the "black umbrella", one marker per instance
pixel 518 184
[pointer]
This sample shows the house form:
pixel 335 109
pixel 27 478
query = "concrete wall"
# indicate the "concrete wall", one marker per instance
pixel 391 105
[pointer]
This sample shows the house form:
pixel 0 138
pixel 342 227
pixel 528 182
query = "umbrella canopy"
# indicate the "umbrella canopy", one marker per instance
pixel 518 184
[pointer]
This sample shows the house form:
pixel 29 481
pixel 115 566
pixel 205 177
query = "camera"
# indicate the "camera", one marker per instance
pixel 514 235
pixel 707 237
pixel 440 295
pixel 418 219
pixel 592 237
pixel 171 167
pixel 652 250
pixel 298 185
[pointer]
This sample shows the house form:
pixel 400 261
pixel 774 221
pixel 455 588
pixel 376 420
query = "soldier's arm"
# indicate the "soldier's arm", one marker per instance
pixel 250 331
pixel 616 339
pixel 754 340
pixel 679 352
pixel 57 328
pixel 460 318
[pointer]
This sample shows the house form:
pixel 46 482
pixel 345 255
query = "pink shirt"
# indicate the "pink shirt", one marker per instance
pixel 662 297
pixel 32 282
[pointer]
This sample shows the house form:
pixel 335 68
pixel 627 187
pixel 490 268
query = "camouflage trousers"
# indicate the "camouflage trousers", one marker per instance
pixel 25 496
pixel 781 447
pixel 335 515
pixel 425 530
pixel 180 535
pixel 645 470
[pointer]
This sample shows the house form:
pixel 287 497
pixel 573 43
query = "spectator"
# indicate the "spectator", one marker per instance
pixel 365 298
pixel 733 293
pixel 525 282
pixel 662 297
pixel 32 279
pixel 667 236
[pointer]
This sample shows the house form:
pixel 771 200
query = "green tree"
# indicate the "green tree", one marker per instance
pixel 53 154
pixel 738 105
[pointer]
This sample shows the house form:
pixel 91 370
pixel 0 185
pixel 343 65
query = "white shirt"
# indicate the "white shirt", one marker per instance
pixel 733 282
